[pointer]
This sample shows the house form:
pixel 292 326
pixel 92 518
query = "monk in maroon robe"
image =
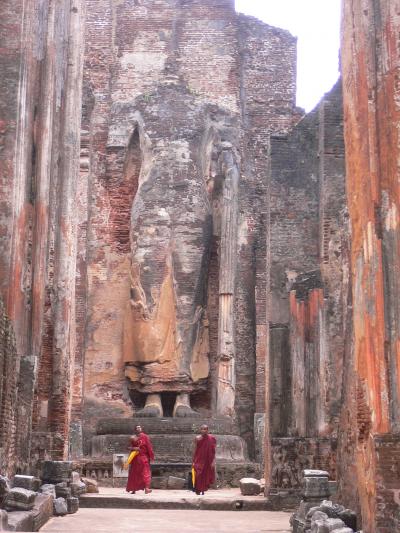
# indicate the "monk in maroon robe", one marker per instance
pixel 204 460
pixel 139 477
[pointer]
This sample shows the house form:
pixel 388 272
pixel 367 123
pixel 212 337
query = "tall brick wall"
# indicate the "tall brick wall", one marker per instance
pixel 308 285
pixel 40 61
pixel 370 66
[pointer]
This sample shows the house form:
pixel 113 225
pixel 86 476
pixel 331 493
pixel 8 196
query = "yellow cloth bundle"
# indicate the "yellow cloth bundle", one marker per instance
pixel 193 477
pixel 131 457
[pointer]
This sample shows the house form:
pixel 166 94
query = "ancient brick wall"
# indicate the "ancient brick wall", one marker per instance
pixel 370 66
pixel 308 282
pixel 40 61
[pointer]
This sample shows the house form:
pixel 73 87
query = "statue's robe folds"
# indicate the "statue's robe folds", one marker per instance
pixel 166 345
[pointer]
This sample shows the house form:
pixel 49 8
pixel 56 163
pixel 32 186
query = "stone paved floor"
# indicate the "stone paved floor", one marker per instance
pixel 168 521
pixel 106 520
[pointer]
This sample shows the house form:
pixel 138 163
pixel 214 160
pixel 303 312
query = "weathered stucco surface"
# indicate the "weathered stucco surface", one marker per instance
pixel 370 65
pixel 41 66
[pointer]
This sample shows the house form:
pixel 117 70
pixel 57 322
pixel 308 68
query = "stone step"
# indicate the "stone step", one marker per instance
pixel 173 448
pixel 167 425
pixel 217 500
pixel 228 473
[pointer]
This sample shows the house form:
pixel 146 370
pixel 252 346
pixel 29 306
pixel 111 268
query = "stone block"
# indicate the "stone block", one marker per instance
pixel 176 483
pixel 60 507
pixel 158 482
pixel 26 482
pixel 62 490
pixel 91 485
pixel 326 525
pixel 250 486
pixel 56 471
pixel 75 477
pixel 72 505
pixel 315 486
pixel 4 487
pixel 42 510
pixel 349 518
pixel 3 520
pixel 344 530
pixel 77 489
pixel 317 515
pixel 48 488
pixel 20 521
pixel 19 499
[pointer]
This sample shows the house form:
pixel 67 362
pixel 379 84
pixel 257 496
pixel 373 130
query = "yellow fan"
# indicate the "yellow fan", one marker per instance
pixel 131 457
pixel 193 477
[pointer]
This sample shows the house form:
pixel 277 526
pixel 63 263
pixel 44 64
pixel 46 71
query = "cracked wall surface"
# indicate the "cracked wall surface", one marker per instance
pixel 370 66
pixel 40 61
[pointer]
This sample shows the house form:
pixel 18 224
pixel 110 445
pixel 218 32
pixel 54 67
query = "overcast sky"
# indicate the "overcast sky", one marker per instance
pixel 316 23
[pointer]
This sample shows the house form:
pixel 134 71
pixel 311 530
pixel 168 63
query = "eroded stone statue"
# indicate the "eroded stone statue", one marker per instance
pixel 166 338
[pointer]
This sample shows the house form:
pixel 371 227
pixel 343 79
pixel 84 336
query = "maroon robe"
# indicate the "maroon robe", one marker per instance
pixel 139 476
pixel 203 462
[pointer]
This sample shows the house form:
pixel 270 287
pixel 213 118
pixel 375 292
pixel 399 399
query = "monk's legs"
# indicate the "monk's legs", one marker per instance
pixel 153 406
pixel 182 406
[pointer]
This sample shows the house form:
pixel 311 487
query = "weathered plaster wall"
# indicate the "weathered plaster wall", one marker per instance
pixel 308 286
pixel 40 61
pixel 370 66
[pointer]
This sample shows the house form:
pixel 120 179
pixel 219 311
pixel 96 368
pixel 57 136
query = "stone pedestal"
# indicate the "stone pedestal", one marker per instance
pixel 315 490
pixel 172 440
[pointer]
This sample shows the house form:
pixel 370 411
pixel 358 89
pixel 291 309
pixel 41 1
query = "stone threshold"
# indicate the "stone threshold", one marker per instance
pixel 213 500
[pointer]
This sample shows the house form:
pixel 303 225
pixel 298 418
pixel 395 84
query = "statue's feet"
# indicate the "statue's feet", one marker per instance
pixel 182 407
pixel 185 412
pixel 153 407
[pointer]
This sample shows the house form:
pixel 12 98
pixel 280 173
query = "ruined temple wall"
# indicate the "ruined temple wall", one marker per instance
pixel 370 66
pixel 268 86
pixel 40 114
pixel 308 273
pixel 293 242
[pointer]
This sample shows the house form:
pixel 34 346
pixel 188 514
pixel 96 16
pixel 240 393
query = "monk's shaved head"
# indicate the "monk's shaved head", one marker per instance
pixel 204 429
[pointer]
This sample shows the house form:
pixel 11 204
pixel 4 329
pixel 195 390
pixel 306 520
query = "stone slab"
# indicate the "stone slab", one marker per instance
pixel 72 505
pixel 60 507
pixel 19 499
pixel 42 510
pixel 173 448
pixel 169 426
pixel 56 471
pixel 226 499
pixel 26 482
pixel 20 521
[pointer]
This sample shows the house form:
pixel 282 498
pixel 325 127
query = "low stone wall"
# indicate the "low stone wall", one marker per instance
pixel 228 474
pixel 292 455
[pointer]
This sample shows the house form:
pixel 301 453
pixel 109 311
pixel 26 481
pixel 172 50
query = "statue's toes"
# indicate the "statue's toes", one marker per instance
pixel 183 411
pixel 151 411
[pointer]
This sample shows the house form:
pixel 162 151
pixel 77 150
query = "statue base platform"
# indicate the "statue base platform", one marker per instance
pixel 172 438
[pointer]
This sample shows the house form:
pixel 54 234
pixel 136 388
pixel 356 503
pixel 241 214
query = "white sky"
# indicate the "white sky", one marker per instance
pixel 316 23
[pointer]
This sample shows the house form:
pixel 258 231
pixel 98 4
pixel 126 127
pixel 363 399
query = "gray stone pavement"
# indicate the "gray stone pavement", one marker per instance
pixel 106 518
pixel 168 521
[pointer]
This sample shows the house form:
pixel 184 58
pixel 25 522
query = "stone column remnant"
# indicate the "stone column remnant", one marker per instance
pixel 226 344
